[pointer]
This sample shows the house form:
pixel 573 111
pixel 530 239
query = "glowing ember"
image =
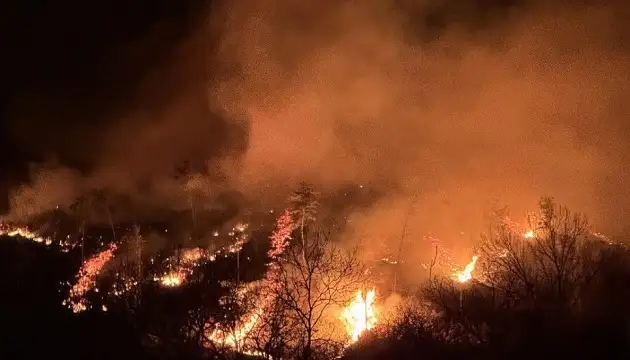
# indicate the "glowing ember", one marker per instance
pixel 359 316
pixel 173 279
pixel 279 241
pixel 466 274
pixel 24 232
pixel 180 267
pixel 192 256
pixel 186 264
pixel 190 259
pixel 86 279
pixel 240 227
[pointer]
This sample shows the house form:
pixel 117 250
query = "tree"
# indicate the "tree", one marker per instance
pixel 133 269
pixel 275 335
pixel 549 266
pixel 304 207
pixel 227 332
pixel 316 275
pixel 533 285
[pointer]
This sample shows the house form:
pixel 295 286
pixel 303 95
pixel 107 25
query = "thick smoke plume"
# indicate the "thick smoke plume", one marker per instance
pixel 448 109
pixel 499 108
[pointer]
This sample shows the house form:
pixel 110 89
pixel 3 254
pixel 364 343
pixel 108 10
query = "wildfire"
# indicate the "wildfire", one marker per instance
pixel 191 259
pixel 529 235
pixel 86 278
pixel 187 262
pixel 26 233
pixel 235 338
pixel 360 316
pixel 466 274
pixel 172 279
pixel 279 240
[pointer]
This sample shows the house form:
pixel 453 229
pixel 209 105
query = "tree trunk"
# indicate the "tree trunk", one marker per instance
pixel 308 348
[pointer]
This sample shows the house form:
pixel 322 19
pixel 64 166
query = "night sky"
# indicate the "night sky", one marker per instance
pixel 70 67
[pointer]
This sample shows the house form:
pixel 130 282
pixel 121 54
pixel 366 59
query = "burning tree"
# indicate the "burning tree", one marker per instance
pixel 316 276
pixel 273 334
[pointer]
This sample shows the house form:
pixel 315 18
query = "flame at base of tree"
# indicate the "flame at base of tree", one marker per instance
pixel 360 315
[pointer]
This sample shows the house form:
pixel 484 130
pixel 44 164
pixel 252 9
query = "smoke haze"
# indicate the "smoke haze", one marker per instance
pixel 446 109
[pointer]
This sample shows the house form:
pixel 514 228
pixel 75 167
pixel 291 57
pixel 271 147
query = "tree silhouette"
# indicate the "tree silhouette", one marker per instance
pixel 303 203
pixel 538 288
pixel 316 275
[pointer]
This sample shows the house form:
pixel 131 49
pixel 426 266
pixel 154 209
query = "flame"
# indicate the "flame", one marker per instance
pixel 26 233
pixel 279 240
pixel 529 235
pixel 234 339
pixel 179 268
pixel 86 278
pixel 172 279
pixel 192 258
pixel 360 315
pixel 466 274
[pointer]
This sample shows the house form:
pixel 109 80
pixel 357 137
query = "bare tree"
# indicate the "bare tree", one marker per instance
pixel 525 285
pixel 220 319
pixel 463 308
pixel 550 266
pixel 316 275
pixel 443 294
pixel 228 332
pixel 274 336
pixel 133 270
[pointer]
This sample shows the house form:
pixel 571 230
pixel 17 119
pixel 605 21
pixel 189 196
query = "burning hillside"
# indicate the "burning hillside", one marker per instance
pixel 310 294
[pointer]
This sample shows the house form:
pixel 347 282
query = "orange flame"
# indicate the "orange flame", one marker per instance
pixel 26 233
pixel 466 274
pixel 191 259
pixel 86 278
pixel 234 339
pixel 360 316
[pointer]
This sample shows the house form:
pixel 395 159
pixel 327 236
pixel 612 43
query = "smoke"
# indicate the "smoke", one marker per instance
pixel 445 108
pixel 512 108
pixel 51 187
